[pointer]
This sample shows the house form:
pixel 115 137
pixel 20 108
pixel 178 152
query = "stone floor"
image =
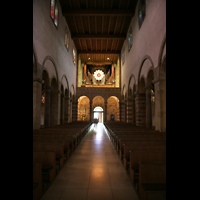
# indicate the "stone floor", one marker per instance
pixel 93 172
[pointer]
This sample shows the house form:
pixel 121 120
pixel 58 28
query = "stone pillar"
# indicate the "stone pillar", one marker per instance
pixel 37 89
pixel 66 109
pixel 59 106
pixel 54 108
pixel 160 104
pixel 125 108
pixel 62 106
pixel 70 110
pixel 134 112
pixel 122 111
pixel 74 110
pixel 105 112
pixel 129 112
pixel 47 106
pixel 148 108
pixel 140 109
pixel 91 112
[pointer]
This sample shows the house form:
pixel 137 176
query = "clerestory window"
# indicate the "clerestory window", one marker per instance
pixel 54 12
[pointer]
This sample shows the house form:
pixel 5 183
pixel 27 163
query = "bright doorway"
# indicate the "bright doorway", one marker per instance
pixel 98 113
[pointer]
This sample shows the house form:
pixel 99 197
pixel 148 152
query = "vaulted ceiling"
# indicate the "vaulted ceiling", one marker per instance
pixel 98 27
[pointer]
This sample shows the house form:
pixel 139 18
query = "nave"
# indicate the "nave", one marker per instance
pixel 93 172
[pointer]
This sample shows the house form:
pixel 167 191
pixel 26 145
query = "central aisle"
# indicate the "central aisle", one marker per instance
pixel 93 172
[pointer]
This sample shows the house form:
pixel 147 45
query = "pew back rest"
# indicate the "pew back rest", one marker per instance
pixel 37 179
pixel 58 147
pixel 45 157
pixel 152 173
pixel 155 148
pixel 146 157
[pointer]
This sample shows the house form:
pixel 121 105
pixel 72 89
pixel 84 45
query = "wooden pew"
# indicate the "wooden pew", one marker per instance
pixel 37 180
pixel 139 136
pixel 133 133
pixel 155 141
pixel 67 150
pixel 144 157
pixel 128 148
pixel 49 136
pixel 58 147
pixel 152 181
pixel 48 160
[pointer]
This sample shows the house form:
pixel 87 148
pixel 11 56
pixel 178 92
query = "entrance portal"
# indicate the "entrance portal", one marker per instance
pixel 98 114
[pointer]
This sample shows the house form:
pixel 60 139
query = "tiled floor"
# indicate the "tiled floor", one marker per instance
pixel 93 172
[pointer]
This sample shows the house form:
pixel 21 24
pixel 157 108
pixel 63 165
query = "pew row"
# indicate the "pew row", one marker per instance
pixel 37 180
pixel 48 160
pixel 58 147
pixel 137 157
pixel 152 181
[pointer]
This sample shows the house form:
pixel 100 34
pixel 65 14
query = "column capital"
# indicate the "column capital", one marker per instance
pixel 148 89
pixel 66 97
pixel 158 79
pixel 38 80
pixel 47 89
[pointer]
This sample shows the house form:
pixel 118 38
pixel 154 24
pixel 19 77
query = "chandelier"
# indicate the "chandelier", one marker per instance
pixel 98 74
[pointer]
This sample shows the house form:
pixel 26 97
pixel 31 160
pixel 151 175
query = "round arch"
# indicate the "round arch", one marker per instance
pixel 34 62
pixel 72 92
pixel 66 85
pixel 131 83
pixel 83 108
pixel 145 58
pixel 113 108
pixel 123 93
pixel 54 65
pixel 98 101
pixel 160 56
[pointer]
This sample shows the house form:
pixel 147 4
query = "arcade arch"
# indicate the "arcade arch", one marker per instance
pixel 83 108
pixel 113 109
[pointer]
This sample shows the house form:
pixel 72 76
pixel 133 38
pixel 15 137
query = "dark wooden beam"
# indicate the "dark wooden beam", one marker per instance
pixel 98 52
pixel 98 36
pixel 91 44
pixel 82 25
pixel 70 3
pixel 117 45
pixel 122 24
pixel 89 25
pixel 98 63
pixel 98 12
pixel 102 24
pixel 75 25
pixel 115 25
pixel 109 25
pixel 86 4
pixel 80 44
pixel 86 45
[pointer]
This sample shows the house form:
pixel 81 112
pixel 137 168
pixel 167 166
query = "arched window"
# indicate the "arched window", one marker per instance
pixel 54 12
pixel 152 97
pixel 74 55
pixel 130 39
pixel 67 38
pixel 43 97
pixel 141 12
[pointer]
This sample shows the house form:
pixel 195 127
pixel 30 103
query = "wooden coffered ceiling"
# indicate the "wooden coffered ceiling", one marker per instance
pixel 98 27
